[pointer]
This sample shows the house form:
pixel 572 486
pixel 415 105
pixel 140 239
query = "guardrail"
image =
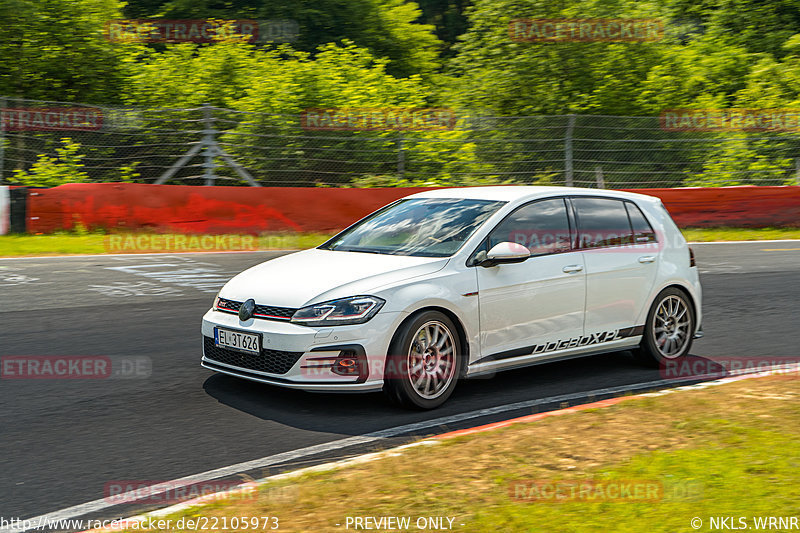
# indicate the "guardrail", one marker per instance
pixel 216 210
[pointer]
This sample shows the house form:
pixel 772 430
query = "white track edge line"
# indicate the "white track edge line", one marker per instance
pixel 145 254
pixel 762 241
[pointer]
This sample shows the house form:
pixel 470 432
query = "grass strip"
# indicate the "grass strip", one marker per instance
pixel 76 244
pixel 725 451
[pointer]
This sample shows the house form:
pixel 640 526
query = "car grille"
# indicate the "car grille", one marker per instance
pixel 271 361
pixel 265 312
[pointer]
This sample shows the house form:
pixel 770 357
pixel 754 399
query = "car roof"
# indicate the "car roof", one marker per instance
pixel 516 193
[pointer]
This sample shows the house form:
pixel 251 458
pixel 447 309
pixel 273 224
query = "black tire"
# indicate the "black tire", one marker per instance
pixel 654 350
pixel 403 364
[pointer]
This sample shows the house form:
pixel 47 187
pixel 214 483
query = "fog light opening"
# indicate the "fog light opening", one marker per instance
pixel 346 364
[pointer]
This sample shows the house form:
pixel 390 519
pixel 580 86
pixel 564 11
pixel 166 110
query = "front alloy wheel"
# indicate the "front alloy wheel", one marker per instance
pixel 431 360
pixel 424 362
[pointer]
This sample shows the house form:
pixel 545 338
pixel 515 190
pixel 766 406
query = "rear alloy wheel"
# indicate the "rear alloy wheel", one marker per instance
pixel 669 330
pixel 424 362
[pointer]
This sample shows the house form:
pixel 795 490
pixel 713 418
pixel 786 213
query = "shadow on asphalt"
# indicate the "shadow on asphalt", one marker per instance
pixel 352 413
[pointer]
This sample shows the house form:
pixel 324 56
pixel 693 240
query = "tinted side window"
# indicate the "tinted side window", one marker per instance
pixel 642 230
pixel 542 226
pixel 602 222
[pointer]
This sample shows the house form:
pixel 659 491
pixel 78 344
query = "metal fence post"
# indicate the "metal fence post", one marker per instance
pixel 797 170
pixel 568 181
pixel 401 157
pixel 598 176
pixel 209 149
pixel 209 143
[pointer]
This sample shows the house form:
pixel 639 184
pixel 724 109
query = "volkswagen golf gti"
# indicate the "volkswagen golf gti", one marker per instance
pixel 454 283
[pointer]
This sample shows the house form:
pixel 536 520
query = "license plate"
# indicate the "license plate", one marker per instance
pixel 237 340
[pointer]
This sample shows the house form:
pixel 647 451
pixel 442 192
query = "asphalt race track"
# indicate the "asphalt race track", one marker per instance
pixel 62 441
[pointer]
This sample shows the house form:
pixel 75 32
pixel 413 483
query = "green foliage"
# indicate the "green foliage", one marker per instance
pixel 372 181
pixel 712 55
pixel 545 179
pixel 242 77
pixel 369 23
pixel 741 53
pixel 52 49
pixel 128 173
pixel 387 28
pixel 66 167
pixel 737 162
pixel 755 26
pixel 187 75
pixel 49 171
pixel 392 180
pixel 386 53
pixel 504 77
pixel 449 18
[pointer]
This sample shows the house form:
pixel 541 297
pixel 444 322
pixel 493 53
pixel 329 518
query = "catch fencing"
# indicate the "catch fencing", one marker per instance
pixel 215 146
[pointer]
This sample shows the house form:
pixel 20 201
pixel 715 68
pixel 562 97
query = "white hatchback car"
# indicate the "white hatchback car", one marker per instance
pixel 455 283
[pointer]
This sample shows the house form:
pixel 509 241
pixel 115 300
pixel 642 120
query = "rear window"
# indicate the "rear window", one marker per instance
pixel 642 230
pixel 602 222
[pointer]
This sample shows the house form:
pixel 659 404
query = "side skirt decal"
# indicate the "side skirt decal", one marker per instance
pixel 575 342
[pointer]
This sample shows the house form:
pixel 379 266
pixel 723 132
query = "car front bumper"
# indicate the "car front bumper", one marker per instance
pixel 299 357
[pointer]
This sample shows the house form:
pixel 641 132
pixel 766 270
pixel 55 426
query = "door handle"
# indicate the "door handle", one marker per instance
pixel 647 259
pixel 569 269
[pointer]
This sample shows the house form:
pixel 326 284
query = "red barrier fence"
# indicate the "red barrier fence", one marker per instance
pixel 214 210
pixel 745 206
pixel 208 210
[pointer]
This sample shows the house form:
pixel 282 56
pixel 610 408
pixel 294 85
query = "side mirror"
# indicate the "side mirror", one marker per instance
pixel 505 252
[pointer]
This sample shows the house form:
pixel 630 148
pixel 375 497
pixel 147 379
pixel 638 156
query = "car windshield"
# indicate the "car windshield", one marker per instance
pixel 427 227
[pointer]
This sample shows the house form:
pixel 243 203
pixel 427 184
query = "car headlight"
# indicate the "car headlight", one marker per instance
pixel 346 311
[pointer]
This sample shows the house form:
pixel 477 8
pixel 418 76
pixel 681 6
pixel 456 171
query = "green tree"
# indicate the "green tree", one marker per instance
pixel 449 17
pixel 741 161
pixel 388 28
pixel 753 25
pixel 66 167
pixel 188 75
pixel 268 89
pixel 51 49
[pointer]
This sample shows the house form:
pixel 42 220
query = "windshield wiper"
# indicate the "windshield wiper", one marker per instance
pixel 362 250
